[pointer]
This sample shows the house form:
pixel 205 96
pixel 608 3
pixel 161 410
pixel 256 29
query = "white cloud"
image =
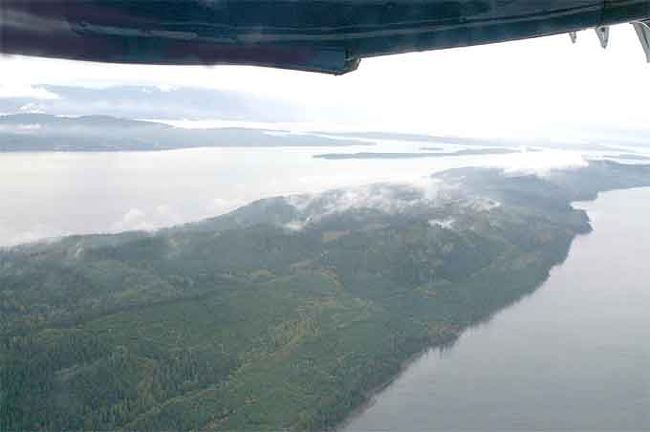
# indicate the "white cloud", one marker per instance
pixel 446 223
pixel 539 162
pixel 31 107
pixel 134 220
pixel 37 232
pixel 19 89
pixel 220 205
pixel 387 198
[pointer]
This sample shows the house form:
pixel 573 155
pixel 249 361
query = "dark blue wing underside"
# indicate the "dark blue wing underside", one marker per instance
pixel 315 35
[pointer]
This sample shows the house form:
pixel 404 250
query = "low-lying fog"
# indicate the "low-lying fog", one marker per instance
pixel 50 194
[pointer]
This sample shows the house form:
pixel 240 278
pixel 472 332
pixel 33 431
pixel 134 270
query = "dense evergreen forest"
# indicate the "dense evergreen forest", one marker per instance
pixel 284 314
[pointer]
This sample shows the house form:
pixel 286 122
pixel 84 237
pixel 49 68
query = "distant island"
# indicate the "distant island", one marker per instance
pixel 43 132
pixel 628 156
pixel 415 155
pixel 285 314
pixel 396 136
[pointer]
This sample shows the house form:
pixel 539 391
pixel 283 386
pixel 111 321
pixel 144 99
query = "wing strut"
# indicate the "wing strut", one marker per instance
pixel 643 31
pixel 603 35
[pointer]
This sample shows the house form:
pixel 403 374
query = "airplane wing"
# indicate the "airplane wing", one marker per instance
pixel 329 36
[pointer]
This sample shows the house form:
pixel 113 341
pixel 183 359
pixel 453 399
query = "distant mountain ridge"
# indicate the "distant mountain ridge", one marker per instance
pixel 426 153
pixel 45 132
pixel 155 102
pixel 72 121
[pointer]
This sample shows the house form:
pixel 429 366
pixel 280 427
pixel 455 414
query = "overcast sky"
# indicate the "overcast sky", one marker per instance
pixel 543 87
